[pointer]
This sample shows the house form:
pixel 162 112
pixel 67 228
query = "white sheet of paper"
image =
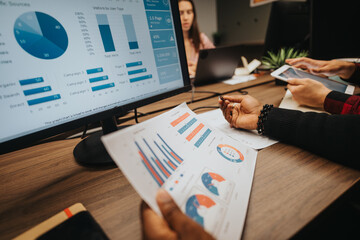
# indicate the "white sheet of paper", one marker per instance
pixel 239 79
pixel 249 138
pixel 208 174
pixel 288 103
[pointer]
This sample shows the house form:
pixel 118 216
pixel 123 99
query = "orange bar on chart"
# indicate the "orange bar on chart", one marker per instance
pixel 180 119
pixel 194 132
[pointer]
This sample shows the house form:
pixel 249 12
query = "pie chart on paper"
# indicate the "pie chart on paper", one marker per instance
pixel 40 35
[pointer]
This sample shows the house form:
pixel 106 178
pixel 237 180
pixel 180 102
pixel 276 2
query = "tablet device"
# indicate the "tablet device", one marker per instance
pixel 285 72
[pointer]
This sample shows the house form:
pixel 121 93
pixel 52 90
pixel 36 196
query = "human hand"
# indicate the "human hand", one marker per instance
pixel 192 68
pixel 174 225
pixel 325 68
pixel 308 92
pixel 241 111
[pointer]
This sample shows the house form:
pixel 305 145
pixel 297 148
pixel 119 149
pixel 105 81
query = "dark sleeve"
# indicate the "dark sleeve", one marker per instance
pixel 335 137
pixel 341 103
pixel 355 78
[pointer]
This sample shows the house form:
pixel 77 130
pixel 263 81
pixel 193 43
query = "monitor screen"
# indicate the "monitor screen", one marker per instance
pixel 64 63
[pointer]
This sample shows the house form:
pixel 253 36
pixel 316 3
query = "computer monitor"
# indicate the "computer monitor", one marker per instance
pixel 67 63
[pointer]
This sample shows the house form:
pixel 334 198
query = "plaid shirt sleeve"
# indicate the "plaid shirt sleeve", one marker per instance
pixel 341 103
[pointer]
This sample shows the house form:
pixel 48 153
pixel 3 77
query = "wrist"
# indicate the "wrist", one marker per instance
pixel 348 70
pixel 262 118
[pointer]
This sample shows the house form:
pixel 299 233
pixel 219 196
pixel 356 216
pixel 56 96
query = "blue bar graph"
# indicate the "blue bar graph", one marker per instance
pixel 137 71
pixel 130 32
pixel 44 99
pixel 202 138
pixel 105 32
pixel 102 87
pixel 98 79
pixel 37 90
pixel 94 70
pixel 140 78
pixel 187 126
pixel 31 81
pixel 134 64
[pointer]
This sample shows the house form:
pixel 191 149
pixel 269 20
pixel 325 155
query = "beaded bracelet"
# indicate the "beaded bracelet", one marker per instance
pixel 263 117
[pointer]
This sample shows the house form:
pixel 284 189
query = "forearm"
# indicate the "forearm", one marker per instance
pixel 335 137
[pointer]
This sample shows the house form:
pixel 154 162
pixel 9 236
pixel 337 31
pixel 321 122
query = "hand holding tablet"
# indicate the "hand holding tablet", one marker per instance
pixel 285 72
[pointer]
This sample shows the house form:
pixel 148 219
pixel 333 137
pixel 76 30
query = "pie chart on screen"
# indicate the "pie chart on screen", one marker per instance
pixel 40 35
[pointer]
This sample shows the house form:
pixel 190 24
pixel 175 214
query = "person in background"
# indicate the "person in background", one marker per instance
pixel 314 94
pixel 194 40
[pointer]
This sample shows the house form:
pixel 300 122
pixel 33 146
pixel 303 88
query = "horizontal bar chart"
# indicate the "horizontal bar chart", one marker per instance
pixel 187 125
pixel 202 138
pixel 37 90
pixel 94 70
pixel 142 70
pixel 102 87
pixel 43 99
pixel 133 64
pixel 140 78
pixel 98 79
pixel 31 81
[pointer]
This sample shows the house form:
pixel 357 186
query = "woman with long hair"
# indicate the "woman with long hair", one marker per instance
pixel 194 40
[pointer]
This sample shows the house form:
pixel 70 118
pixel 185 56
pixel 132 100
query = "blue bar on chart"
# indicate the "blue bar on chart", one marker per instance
pixel 171 152
pixel 133 64
pixel 202 138
pixel 156 5
pixel 102 87
pixel 44 99
pixel 149 166
pixel 159 20
pixel 162 169
pixel 31 81
pixel 130 32
pixel 187 126
pixel 98 79
pixel 169 73
pixel 166 56
pixel 167 155
pixel 94 70
pixel 37 90
pixel 105 32
pixel 142 70
pixel 137 79
pixel 162 39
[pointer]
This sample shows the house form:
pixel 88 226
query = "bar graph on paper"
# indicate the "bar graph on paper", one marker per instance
pixel 192 129
pixel 158 158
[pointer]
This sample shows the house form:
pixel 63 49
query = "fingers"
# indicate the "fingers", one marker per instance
pixel 235 98
pixel 172 213
pixel 293 61
pixel 295 81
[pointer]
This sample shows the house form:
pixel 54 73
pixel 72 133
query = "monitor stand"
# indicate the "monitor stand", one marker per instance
pixel 91 152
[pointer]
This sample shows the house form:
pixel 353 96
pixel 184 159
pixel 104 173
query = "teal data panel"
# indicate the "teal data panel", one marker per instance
pixel 41 35
pixel 159 20
pixel 156 4
pixel 162 39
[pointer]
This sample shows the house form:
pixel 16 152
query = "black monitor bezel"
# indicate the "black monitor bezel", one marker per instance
pixel 30 139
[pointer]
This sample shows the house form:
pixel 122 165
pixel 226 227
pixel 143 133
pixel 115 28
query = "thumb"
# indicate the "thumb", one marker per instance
pixel 171 212
pixel 294 81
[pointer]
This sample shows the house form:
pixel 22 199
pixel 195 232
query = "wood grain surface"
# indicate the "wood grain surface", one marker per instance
pixel 290 188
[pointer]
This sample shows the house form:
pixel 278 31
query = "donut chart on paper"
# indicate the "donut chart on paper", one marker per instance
pixel 230 153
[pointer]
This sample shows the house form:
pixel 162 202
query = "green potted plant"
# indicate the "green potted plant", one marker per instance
pixel 275 60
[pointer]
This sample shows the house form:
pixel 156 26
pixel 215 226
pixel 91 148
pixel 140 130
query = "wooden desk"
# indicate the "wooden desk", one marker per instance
pixel 290 188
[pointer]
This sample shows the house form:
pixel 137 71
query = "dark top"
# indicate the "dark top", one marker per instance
pixel 335 137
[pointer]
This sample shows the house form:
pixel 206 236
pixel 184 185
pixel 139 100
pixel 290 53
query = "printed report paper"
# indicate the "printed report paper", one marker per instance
pixel 208 174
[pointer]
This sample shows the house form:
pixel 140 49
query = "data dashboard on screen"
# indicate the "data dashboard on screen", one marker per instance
pixel 64 60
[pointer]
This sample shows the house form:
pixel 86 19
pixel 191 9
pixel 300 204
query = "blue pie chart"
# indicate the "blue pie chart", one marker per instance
pixel 40 35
